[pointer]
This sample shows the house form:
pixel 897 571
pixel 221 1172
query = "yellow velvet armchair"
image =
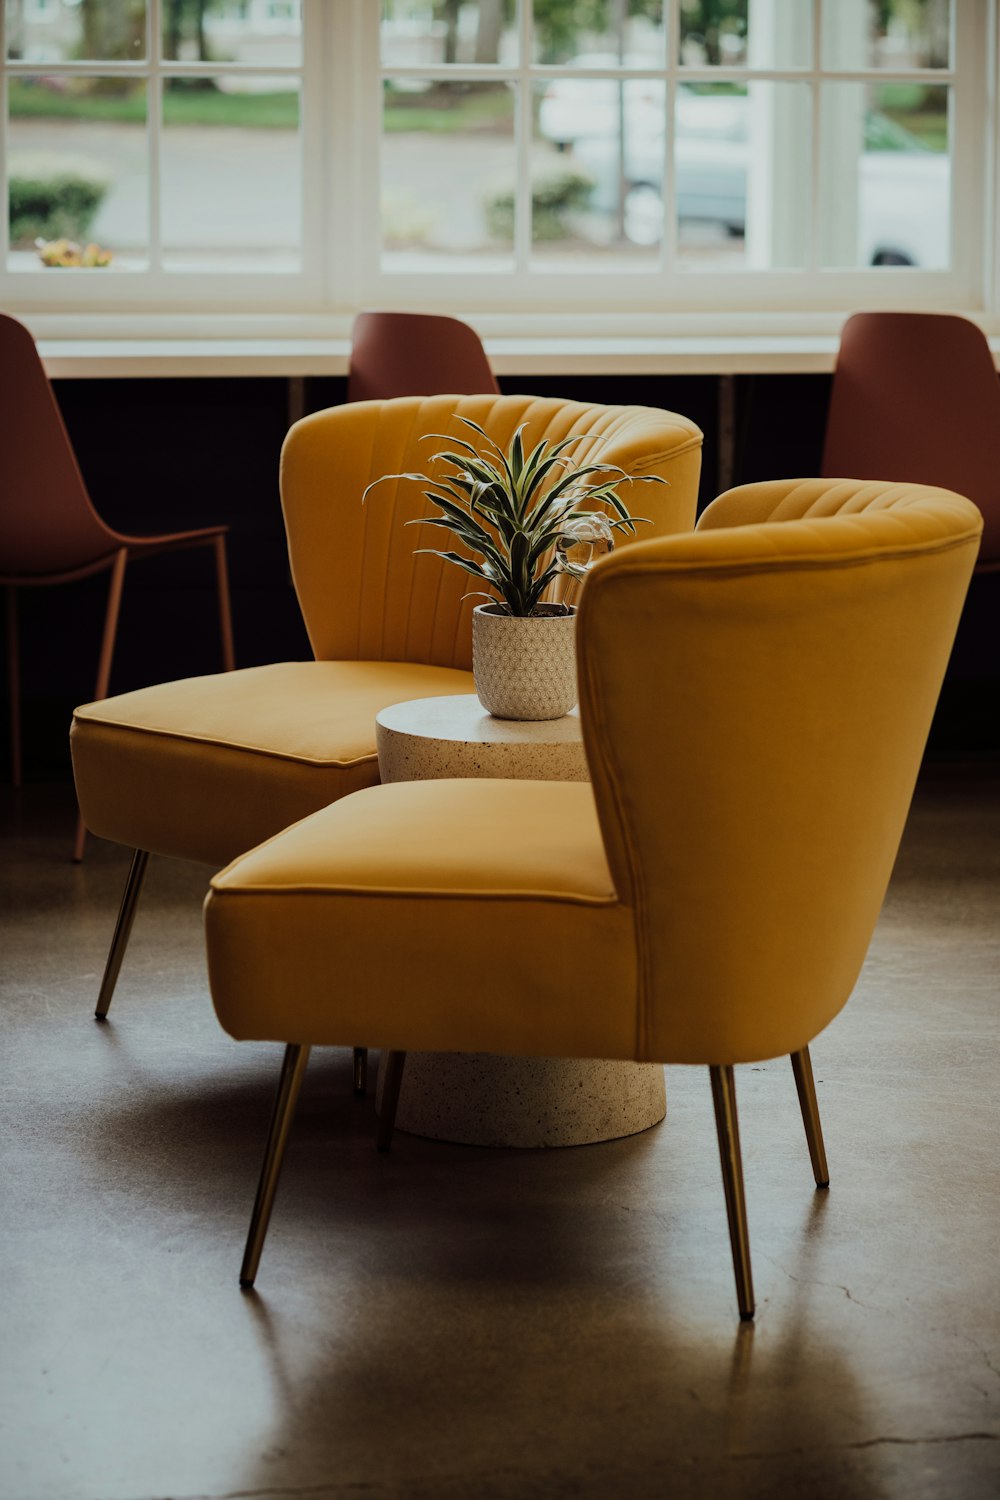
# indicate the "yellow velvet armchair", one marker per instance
pixel 755 699
pixel 206 768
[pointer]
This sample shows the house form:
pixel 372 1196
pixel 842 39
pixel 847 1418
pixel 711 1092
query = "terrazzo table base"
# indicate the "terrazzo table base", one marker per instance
pixel 482 1100
pixel 478 1099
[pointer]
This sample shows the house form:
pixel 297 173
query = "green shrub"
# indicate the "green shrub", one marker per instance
pixel 552 197
pixel 53 205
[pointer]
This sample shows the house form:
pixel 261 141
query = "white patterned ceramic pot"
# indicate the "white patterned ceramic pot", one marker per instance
pixel 525 668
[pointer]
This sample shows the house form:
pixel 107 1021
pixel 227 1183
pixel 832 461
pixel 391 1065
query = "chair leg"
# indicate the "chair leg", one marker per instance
pixel 806 1087
pixel 104 665
pixel 727 1125
pixel 123 929
pixel 293 1071
pixel 395 1062
pixel 225 611
pixel 360 1070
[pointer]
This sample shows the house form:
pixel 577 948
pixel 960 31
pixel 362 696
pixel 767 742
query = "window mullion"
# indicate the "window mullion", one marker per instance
pixel 815 147
pixel 154 133
pixel 523 140
pixel 668 181
pixel 991 218
pixel 972 151
pixel 364 149
pixel 321 237
pixel 4 184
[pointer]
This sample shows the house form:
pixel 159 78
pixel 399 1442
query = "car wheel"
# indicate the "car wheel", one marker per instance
pixel 891 258
pixel 643 214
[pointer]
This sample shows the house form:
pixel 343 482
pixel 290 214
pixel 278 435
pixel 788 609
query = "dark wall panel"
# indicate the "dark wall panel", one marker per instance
pixel 779 421
pixel 173 454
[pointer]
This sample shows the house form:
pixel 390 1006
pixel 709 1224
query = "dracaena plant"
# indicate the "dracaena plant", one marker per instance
pixel 511 510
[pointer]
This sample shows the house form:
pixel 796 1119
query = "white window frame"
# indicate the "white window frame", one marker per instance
pixel 685 288
pixel 158 288
pixel 340 137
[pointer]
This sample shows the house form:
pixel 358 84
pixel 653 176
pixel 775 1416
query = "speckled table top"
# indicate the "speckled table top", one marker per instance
pixel 429 738
pixel 462 717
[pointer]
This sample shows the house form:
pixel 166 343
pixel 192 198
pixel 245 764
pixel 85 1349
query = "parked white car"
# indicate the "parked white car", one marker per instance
pixel 903 188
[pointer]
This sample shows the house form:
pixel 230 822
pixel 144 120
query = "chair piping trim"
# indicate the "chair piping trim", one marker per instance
pixel 424 893
pixel 680 571
pixel 807 562
pixel 638 905
pixel 221 744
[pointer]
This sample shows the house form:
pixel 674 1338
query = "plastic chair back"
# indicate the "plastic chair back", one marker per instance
pixel 416 354
pixel 916 396
pixel 48 526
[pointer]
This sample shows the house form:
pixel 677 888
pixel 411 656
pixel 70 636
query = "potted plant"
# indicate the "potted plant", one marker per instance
pixel 523 520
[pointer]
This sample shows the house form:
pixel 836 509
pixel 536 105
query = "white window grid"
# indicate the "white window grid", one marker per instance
pixel 341 81
pixel 156 284
pixel 664 282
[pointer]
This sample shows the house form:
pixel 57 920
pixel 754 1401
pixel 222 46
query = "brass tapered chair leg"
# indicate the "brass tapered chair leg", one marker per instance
pixel 225 608
pixel 104 666
pixel 123 927
pixel 806 1086
pixel 727 1125
pixel 360 1070
pixel 293 1070
pixel 391 1081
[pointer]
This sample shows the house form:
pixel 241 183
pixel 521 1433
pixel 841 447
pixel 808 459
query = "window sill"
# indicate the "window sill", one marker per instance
pixel 90 348
pixel 117 358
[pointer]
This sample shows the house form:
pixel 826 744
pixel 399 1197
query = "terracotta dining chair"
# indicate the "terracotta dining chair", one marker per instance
pixel 50 532
pixel 755 697
pixel 916 396
pixel 206 768
pixel 416 354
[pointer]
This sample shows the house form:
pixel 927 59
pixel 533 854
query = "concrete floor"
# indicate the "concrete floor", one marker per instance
pixel 450 1322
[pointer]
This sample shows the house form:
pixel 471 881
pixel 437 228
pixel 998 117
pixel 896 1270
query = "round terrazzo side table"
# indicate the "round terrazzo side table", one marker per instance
pixel 476 1098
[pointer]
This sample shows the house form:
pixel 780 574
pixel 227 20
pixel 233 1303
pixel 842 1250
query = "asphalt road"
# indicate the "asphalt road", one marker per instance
pixel 237 193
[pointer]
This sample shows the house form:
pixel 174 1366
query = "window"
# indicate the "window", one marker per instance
pixel 153 139
pixel 634 151
pixel 669 155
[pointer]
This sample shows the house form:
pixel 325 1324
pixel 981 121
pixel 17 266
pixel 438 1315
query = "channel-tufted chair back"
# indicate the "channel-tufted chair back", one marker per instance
pixel 755 698
pixel 365 591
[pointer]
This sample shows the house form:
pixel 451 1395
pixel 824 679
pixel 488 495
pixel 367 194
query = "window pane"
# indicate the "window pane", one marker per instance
pixel 256 33
pixel 597 166
pixel 447 156
pixel 231 175
pixel 429 33
pixel 734 33
pixel 623 33
pixel 76 30
pixel 742 175
pixel 886 34
pixel 78 169
pixel 885 175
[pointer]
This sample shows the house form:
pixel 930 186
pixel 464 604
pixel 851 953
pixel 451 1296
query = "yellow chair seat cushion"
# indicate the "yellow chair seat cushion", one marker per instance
pixel 472 915
pixel 207 767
